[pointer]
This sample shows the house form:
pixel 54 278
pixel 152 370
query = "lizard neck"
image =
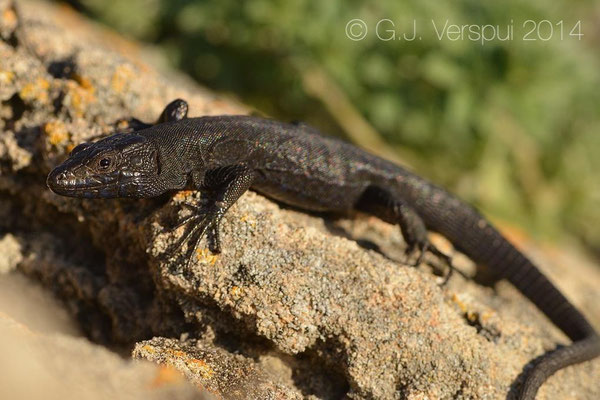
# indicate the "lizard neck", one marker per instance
pixel 173 160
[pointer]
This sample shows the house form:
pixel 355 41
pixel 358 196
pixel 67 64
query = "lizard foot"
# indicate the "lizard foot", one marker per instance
pixel 446 259
pixel 202 221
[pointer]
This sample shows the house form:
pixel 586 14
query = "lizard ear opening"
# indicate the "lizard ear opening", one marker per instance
pixel 156 161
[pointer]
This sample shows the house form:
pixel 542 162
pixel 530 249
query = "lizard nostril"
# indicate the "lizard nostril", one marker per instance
pixel 55 179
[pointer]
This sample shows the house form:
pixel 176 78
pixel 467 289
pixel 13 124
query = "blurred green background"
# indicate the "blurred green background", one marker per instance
pixel 512 126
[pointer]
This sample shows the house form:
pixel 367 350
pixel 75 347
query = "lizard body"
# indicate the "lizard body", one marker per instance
pixel 224 156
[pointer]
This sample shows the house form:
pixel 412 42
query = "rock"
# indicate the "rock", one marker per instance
pixel 11 250
pixel 295 306
pixel 234 377
pixel 62 367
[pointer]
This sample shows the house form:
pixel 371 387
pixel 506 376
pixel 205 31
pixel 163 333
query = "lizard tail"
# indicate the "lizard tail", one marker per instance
pixel 476 237
pixel 551 362
pixel 523 274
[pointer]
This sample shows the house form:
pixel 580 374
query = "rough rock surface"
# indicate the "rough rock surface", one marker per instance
pixel 297 306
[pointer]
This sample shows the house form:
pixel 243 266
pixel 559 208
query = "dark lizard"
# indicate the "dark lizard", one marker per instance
pixel 224 156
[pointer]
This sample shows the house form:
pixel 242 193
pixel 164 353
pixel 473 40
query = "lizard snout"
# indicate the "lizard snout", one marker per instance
pixel 64 182
pixel 56 179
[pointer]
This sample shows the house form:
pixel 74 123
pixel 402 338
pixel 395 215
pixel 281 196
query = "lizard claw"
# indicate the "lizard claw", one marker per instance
pixel 421 248
pixel 424 248
pixel 447 260
pixel 216 239
pixel 203 222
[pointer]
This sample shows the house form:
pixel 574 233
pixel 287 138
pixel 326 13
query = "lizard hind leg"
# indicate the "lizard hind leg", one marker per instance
pixel 379 202
pixel 174 111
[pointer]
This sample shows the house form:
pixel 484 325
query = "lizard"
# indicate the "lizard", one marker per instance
pixel 293 163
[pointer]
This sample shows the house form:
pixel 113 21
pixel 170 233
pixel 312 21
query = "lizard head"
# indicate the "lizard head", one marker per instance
pixel 121 165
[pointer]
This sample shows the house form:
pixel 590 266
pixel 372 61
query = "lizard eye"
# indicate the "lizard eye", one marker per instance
pixel 104 163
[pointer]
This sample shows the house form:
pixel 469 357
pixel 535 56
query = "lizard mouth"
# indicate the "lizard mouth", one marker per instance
pixel 66 183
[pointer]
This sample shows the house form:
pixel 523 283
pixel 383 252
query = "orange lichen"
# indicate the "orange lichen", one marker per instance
pixel 78 97
pixel 246 218
pixel 461 305
pixel 205 256
pixel 486 316
pixel 56 132
pixel 236 291
pixel 149 349
pixel 9 18
pixel 166 375
pixel 181 195
pixel 120 79
pixel 196 366
pixel 178 353
pixel 200 367
pixel 84 82
pixel 6 77
pixel 472 316
pixel 35 91
pixel 122 124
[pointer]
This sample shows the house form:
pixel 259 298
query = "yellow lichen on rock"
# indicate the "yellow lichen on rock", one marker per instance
pixel 78 97
pixel 182 195
pixel 9 18
pixel 120 79
pixel 206 256
pixel 236 291
pixel 149 349
pixel 6 77
pixel 166 375
pixel 56 131
pixel 200 367
pixel 195 366
pixel 84 82
pixel 36 91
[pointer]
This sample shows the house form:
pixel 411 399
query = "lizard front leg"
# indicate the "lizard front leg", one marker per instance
pixel 221 188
